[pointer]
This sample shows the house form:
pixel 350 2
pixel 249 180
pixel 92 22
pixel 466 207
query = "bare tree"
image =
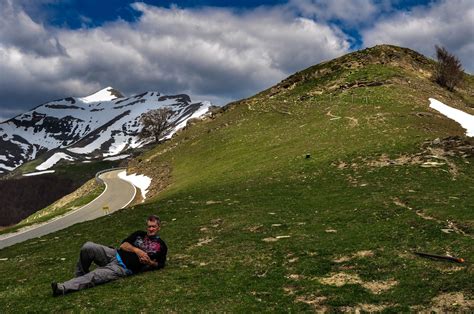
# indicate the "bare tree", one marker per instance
pixel 155 123
pixel 449 72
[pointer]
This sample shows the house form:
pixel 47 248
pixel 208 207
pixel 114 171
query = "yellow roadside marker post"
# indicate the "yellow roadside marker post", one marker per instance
pixel 106 209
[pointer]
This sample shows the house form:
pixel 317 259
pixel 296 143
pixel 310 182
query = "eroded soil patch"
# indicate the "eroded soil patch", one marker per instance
pixel 315 301
pixel 433 154
pixel 341 279
pixel 449 226
pixel 370 308
pixel 359 254
pixel 454 301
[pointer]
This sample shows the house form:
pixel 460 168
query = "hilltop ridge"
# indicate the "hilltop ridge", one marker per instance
pixel 387 55
pixel 375 66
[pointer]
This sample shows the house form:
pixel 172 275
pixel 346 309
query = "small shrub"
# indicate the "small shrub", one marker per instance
pixel 449 72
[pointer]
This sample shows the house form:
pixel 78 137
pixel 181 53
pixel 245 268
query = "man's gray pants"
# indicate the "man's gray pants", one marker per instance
pixel 108 268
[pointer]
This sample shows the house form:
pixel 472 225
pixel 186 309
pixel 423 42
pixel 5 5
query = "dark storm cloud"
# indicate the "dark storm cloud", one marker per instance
pixel 18 30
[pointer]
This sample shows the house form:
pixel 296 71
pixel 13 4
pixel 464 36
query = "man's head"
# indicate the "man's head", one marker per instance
pixel 153 225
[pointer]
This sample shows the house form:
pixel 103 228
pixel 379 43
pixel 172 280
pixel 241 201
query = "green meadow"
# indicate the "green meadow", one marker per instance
pixel 310 196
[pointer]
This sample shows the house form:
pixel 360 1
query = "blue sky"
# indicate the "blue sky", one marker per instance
pixel 213 50
pixel 68 13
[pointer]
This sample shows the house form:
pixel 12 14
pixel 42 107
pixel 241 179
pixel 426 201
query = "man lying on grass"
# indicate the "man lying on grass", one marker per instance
pixel 141 251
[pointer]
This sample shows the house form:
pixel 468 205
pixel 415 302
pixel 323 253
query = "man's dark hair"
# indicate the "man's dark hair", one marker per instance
pixel 154 218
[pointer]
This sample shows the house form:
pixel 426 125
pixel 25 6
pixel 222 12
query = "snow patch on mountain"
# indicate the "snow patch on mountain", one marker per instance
pixel 198 113
pixel 100 125
pixel 105 94
pixel 464 119
pixel 8 168
pixel 51 161
pixel 118 157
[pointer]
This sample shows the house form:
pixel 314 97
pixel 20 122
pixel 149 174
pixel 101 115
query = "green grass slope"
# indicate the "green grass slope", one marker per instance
pixel 253 225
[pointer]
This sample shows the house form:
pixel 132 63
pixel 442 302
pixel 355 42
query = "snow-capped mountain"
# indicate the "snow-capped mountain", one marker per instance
pixel 101 125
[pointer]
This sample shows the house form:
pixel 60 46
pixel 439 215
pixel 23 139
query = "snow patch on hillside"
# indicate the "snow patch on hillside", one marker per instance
pixel 37 173
pixel 464 119
pixel 118 157
pixel 140 181
pixel 51 161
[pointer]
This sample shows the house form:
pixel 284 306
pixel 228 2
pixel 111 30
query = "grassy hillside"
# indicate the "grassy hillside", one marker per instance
pixel 252 224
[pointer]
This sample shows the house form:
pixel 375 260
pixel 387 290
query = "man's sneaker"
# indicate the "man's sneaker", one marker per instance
pixel 56 290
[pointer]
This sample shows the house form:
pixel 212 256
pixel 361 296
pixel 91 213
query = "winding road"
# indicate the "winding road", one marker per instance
pixel 117 194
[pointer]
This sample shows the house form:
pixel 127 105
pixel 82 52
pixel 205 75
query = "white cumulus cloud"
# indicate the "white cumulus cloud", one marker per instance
pixel 210 53
pixel 446 23
pixel 351 12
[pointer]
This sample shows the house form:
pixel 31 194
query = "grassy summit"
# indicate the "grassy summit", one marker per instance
pixel 252 224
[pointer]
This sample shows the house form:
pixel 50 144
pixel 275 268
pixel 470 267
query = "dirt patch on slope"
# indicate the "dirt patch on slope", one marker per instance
pixel 378 287
pixel 454 301
pixel 341 279
pixel 353 122
pixel 384 161
pixel 433 154
pixel 359 254
pixel 449 226
pixel 315 301
pixel 254 229
pixel 204 241
pixel 370 308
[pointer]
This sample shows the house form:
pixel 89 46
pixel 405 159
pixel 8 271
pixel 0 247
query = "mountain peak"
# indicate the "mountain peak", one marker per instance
pixel 105 94
pixel 94 126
